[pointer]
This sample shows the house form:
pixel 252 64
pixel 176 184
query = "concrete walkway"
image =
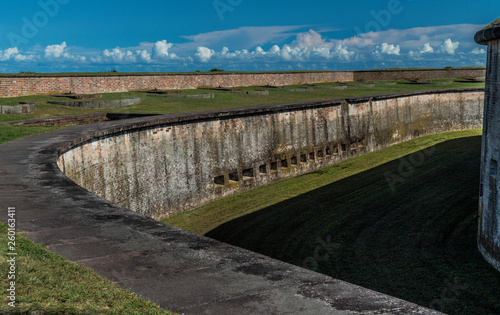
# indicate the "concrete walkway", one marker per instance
pixel 178 270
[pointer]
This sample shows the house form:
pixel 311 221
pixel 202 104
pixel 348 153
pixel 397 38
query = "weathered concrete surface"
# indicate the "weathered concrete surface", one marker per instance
pixel 178 270
pixel 59 120
pixel 176 165
pixel 24 108
pixel 105 104
pixel 489 209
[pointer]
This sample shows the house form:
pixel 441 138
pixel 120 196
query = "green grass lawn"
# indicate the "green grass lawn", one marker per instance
pixel 46 283
pixel 222 100
pixel 400 221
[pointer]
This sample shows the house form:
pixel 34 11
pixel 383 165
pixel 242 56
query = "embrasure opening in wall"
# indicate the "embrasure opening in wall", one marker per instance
pixel 284 163
pixel 248 174
pixel 311 156
pixel 274 166
pixel 263 169
pixel 303 158
pixel 234 177
pixel 219 180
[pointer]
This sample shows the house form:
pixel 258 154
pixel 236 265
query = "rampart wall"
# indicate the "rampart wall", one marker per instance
pixel 19 85
pixel 174 163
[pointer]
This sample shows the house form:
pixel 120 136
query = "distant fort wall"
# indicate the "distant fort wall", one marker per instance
pixel 164 165
pixel 20 85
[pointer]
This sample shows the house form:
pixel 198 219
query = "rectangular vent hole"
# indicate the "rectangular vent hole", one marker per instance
pixel 234 177
pixel 274 166
pixel 263 169
pixel 293 160
pixel 284 163
pixel 303 158
pixel 248 174
pixel 219 180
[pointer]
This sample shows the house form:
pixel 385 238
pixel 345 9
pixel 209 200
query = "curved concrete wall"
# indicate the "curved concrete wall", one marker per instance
pixel 178 162
pixel 489 209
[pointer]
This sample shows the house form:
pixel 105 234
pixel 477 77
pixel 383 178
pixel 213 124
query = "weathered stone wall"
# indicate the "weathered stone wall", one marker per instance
pixel 105 104
pixel 18 85
pixel 20 109
pixel 178 162
pixel 418 74
pixel 489 208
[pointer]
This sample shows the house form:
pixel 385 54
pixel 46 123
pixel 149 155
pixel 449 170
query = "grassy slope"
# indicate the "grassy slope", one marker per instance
pixel 416 240
pixel 222 100
pixel 47 282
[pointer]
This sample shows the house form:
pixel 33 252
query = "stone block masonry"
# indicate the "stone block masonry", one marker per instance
pixel 489 208
pixel 180 162
pixel 20 85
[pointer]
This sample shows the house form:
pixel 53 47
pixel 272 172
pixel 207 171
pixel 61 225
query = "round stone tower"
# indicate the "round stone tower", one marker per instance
pixel 489 204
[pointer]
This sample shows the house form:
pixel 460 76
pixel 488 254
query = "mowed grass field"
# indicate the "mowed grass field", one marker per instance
pixel 401 221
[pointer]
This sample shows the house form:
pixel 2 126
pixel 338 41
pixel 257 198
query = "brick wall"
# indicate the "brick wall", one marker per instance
pixel 418 74
pixel 19 85
pixel 34 85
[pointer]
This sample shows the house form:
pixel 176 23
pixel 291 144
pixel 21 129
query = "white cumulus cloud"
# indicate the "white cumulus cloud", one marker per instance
pixel 310 39
pixel 449 47
pixel 427 48
pixel 478 51
pixel 161 50
pixel 55 51
pixel 204 54
pixel 61 51
pixel 388 49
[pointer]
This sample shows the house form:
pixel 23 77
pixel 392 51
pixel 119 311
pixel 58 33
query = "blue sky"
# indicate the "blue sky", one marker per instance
pixel 91 35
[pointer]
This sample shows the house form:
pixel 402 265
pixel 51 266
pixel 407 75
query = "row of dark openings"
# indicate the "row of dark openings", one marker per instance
pixel 283 163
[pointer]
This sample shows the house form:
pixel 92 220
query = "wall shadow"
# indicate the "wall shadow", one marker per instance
pixel 407 228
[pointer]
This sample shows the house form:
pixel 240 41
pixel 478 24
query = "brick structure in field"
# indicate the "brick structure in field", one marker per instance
pixel 489 207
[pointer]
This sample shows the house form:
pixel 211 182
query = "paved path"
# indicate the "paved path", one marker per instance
pixel 179 270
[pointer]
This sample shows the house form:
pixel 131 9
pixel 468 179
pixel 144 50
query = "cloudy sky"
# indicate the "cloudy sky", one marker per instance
pixel 153 35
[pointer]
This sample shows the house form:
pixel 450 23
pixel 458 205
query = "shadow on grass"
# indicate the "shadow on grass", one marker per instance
pixel 406 228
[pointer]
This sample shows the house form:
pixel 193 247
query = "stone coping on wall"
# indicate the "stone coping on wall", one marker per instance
pixel 180 271
pixel 489 33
